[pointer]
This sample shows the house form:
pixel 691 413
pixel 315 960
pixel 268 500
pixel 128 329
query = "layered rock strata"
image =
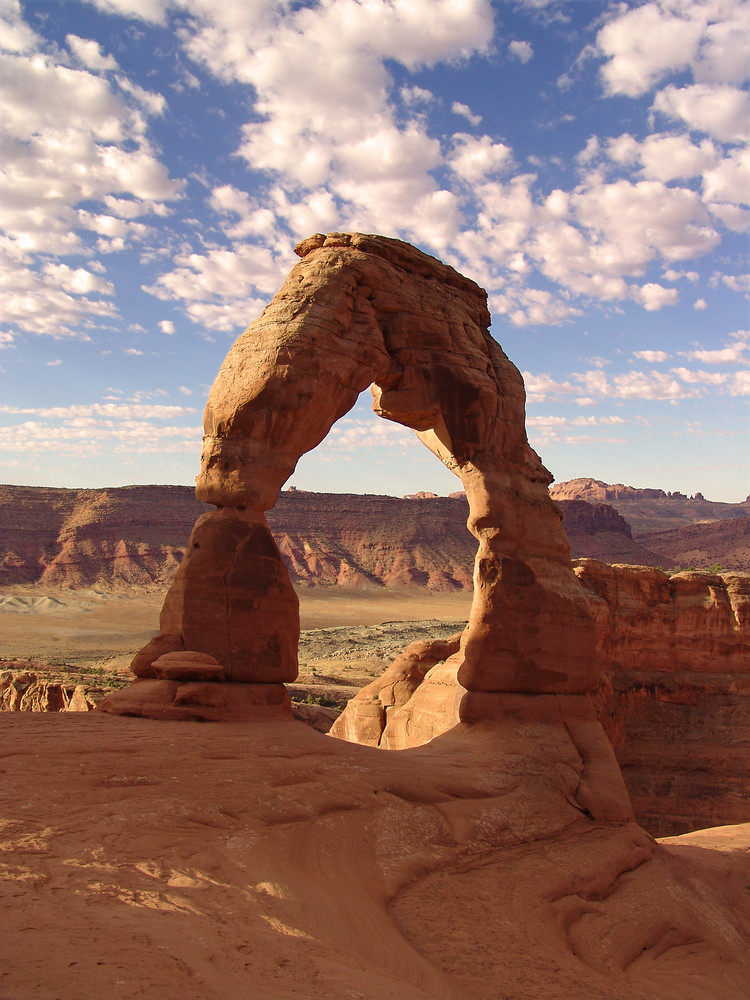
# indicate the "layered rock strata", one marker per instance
pixel 673 693
pixel 26 691
pixel 361 311
pixel 674 690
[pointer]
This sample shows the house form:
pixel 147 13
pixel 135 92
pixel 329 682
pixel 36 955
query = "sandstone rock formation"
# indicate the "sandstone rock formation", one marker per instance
pixel 26 691
pixel 268 861
pixel 726 543
pixel 361 311
pixel 649 510
pixel 132 537
pixel 674 691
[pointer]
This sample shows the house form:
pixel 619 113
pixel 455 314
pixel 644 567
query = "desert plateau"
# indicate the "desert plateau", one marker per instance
pixel 264 745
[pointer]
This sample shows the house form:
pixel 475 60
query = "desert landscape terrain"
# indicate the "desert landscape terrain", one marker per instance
pixel 267 860
pixel 208 861
pixel 195 835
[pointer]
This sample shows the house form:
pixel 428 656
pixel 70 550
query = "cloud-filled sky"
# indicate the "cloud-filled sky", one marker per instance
pixel 586 162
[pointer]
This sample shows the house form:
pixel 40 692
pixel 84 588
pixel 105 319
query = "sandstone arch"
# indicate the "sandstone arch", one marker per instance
pixel 357 311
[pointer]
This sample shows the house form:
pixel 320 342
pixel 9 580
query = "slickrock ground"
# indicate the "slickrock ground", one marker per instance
pixel 192 861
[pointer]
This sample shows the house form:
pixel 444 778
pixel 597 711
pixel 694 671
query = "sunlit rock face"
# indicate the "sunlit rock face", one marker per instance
pixel 361 311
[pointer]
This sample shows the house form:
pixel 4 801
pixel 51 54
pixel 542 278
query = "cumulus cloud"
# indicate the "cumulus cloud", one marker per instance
pixel 522 51
pixel 718 110
pixel 353 434
pixel 335 126
pixel 146 10
pixel 112 411
pixel 475 158
pixel 722 356
pixel 166 326
pixel 71 140
pixel 218 287
pixel 737 282
pixel 465 111
pixel 640 45
pixel 89 54
pixel 651 356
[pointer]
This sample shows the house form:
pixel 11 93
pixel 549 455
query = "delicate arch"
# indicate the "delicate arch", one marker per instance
pixel 356 311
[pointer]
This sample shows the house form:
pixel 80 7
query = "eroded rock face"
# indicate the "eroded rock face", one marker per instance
pixel 27 691
pixel 674 690
pixel 673 693
pixel 361 311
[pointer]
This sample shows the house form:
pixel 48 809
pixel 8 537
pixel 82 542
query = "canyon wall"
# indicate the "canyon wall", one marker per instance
pixel 673 655
pixel 135 536
pixel 674 690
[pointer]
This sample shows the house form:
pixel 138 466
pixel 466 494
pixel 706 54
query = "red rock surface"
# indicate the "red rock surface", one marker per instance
pixel 726 543
pixel 674 694
pixel 135 536
pixel 650 510
pixel 357 311
pixel 269 862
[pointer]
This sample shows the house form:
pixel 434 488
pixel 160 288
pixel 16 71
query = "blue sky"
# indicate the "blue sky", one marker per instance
pixel 586 163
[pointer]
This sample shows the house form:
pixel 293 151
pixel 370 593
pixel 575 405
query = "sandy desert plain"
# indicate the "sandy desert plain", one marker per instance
pixel 267 861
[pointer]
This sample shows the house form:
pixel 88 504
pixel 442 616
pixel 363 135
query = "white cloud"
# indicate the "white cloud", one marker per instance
pixel 218 287
pixel 84 438
pixel 89 54
pixel 723 356
pixel 542 388
pixel 700 377
pixel 671 275
pixel 646 219
pixel 78 281
pixel 740 383
pixel 649 385
pixel 417 96
pixel 651 356
pixel 654 296
pixel 720 111
pixel 254 220
pixel 166 326
pixel 146 10
pixel 642 44
pixel 700 304
pixel 665 157
pixel 133 351
pixel 15 34
pixel 475 158
pixel 333 125
pixel 352 434
pixel 112 411
pixel 38 302
pixel 737 282
pixel 522 51
pixel 729 179
pixel 69 140
pixel 465 111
